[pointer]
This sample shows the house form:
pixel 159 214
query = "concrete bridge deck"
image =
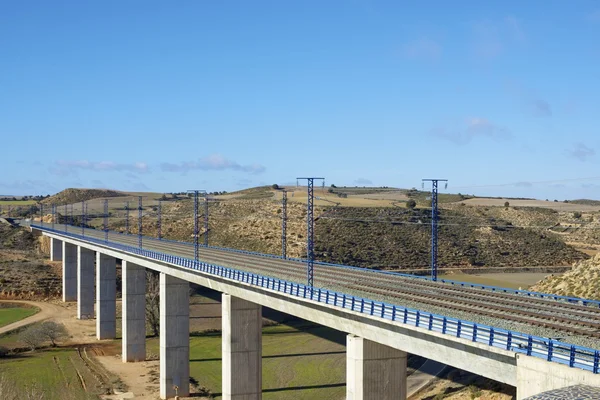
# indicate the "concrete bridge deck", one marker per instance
pixel 378 340
pixel 521 313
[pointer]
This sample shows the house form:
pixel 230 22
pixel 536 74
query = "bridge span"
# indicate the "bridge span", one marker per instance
pixel 367 305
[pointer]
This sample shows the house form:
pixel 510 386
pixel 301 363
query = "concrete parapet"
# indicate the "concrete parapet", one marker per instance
pixel 69 271
pixel 242 349
pixel 174 336
pixel 106 297
pixel 85 283
pixel 134 312
pixel 374 371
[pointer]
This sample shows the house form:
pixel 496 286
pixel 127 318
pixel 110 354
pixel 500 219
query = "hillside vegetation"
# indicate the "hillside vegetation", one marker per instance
pixel 23 272
pixel 582 281
pixel 70 196
pixel 375 237
pixel 396 237
pixel 586 202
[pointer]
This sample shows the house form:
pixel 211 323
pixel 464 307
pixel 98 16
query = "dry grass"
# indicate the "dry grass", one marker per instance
pixel 581 281
pixel 558 206
pixel 5 203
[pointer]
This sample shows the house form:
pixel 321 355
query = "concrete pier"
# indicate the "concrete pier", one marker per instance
pixel 106 297
pixel 242 349
pixel 134 312
pixel 69 270
pixel 85 283
pixel 174 336
pixel 374 371
pixel 56 249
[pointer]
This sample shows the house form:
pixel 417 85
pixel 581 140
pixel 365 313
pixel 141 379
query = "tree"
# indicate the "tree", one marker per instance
pixel 163 197
pixel 53 332
pixel 411 204
pixel 153 302
pixel 330 190
pixel 275 186
pixel 333 186
pixel 32 337
pixel 506 204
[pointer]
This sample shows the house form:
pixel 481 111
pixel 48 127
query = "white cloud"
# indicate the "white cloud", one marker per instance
pixel 492 38
pixel 580 152
pixel 67 167
pixel 473 128
pixel 363 181
pixel 213 162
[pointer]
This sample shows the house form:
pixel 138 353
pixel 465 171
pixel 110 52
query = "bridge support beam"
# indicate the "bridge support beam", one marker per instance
pixel 535 375
pixel 134 312
pixel 106 297
pixel 56 249
pixel 374 371
pixel 242 349
pixel 174 336
pixel 69 270
pixel 85 283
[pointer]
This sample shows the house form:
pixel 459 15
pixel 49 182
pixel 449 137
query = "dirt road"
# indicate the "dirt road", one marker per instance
pixel 65 313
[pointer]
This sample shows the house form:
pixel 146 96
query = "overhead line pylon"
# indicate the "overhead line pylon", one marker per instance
pixel 434 224
pixel 310 225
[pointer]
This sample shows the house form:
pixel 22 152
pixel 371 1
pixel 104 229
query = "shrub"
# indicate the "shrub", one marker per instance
pixel 475 391
pixel 275 186
pixel 411 204
pixel 3 352
pixel 32 337
pixel 53 332
pixel 506 204
pixel 577 215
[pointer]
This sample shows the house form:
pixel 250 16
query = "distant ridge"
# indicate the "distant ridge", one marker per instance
pixel 70 196
pixel 586 202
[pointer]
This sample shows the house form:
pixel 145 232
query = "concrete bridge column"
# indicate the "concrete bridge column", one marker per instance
pixel 174 336
pixel 56 249
pixel 106 297
pixel 69 270
pixel 134 312
pixel 85 283
pixel 242 349
pixel 374 371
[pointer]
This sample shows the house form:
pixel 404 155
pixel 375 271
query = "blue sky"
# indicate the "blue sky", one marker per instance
pixel 170 96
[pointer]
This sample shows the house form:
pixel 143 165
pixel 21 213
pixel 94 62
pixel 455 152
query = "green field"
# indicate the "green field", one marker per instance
pixel 53 372
pixel 10 315
pixel 300 362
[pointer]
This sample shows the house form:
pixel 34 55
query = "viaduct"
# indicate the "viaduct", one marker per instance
pixel 379 335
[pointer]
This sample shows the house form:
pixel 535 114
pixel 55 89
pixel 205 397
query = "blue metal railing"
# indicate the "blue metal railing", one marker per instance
pixel 548 349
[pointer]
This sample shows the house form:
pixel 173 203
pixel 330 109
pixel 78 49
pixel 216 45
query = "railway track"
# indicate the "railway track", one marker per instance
pixel 572 319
